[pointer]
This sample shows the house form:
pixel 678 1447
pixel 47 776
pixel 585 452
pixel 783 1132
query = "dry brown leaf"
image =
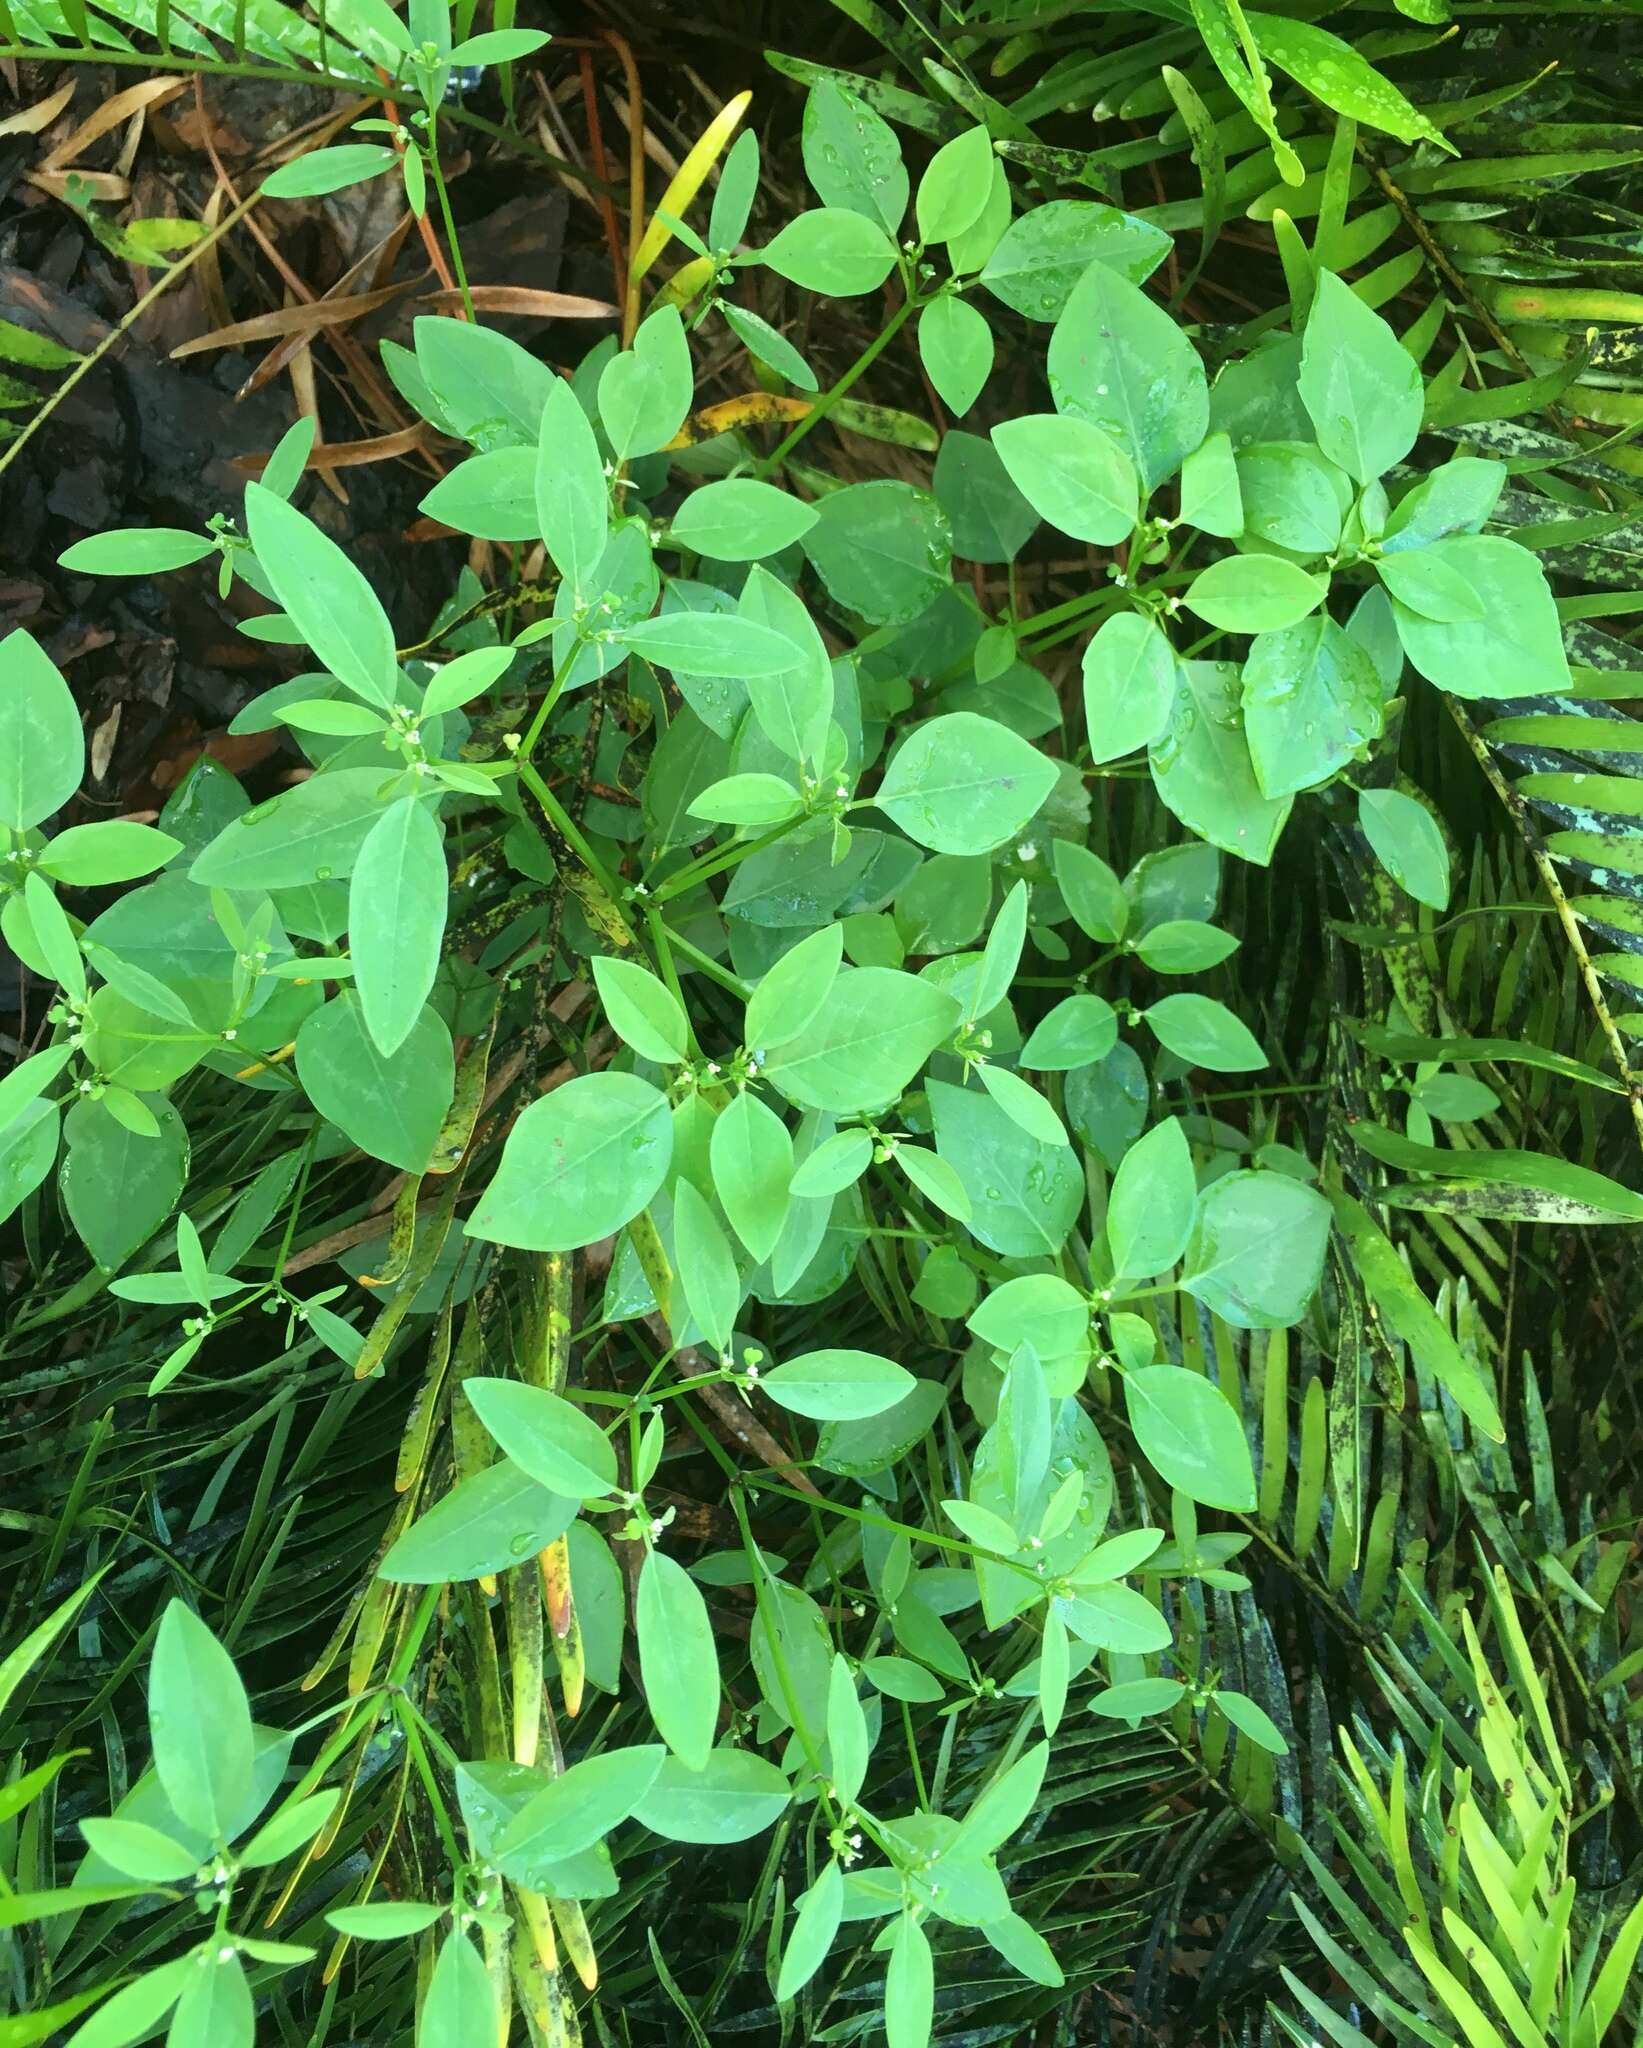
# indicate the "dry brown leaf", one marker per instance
pixel 527 305
pixel 150 92
pixel 32 120
pixel 349 454
pixel 294 320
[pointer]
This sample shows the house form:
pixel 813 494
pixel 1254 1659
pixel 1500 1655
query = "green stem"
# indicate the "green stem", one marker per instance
pixel 568 829
pixel 707 964
pixel 450 225
pixel 825 404
pixel 719 859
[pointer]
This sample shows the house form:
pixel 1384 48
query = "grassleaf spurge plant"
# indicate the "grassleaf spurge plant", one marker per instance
pixel 738 761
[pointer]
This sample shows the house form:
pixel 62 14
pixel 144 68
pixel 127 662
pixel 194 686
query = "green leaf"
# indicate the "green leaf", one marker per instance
pixel 1205 1033
pixel 964 784
pixel 733 197
pixel 790 993
pixel 645 390
pixel 584 1803
pixel 1124 365
pixel 1075 475
pixel 909 1987
pixel 1513 647
pixel 641 1009
pixel 1202 769
pixel 706 1266
pixel 814 1926
pixel 391 1106
pixel 199 1723
pixel 1079 1030
pixel 954 187
pixel 852 157
pixel 312 833
pixel 1254 593
pixel 547 1437
pixel 1334 72
pixel 1424 582
pixel 1292 498
pixel 137 551
pixel 768 345
pixel 465 678
pixel 1252 1720
pixel 833 251
pixel 572 496
pixel 1405 839
pixel 1024 1195
pixel 1130 681
pixel 1137 1696
pixel 955 345
pixel 837 1386
pixel 23 345
pixel 333 716
pixel 935 1180
pixel 1182 945
pixel 396 920
pixel 1456 498
pixel 331 602
pixel 1312 701
pixel 491 391
pixel 139 1851
pixel 869 1037
pixel 328 170
pixel 1044 253
pixel 1257 1250
pixel 883 549
pixel 834 1165
pixel 677 1660
pixel 794 706
pixel 42 749
pixel 215 2009
pixel 751 800
pixel 1360 386
pixel 289 1830
pixel 460 2005
pixel 1190 1434
pixel 384 1920
pixel 1023 1105
pixel 1150 1210
pixel 1038 1309
pixel 710 644
pixel 117 1187
pixel 751 1155
pixel 740 520
pixel 1211 495
pixel 1094 894
pixel 900 1679
pixel 492 495
pixel 849 1744
pixel 135 2011
pixel 578 1165
pixel 734 1796
pixel 483 1525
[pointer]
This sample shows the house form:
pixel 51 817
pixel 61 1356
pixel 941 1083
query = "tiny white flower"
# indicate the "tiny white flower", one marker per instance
pixel 230 1032
pixel 1026 851
pixel 657 1525
pixel 752 1372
